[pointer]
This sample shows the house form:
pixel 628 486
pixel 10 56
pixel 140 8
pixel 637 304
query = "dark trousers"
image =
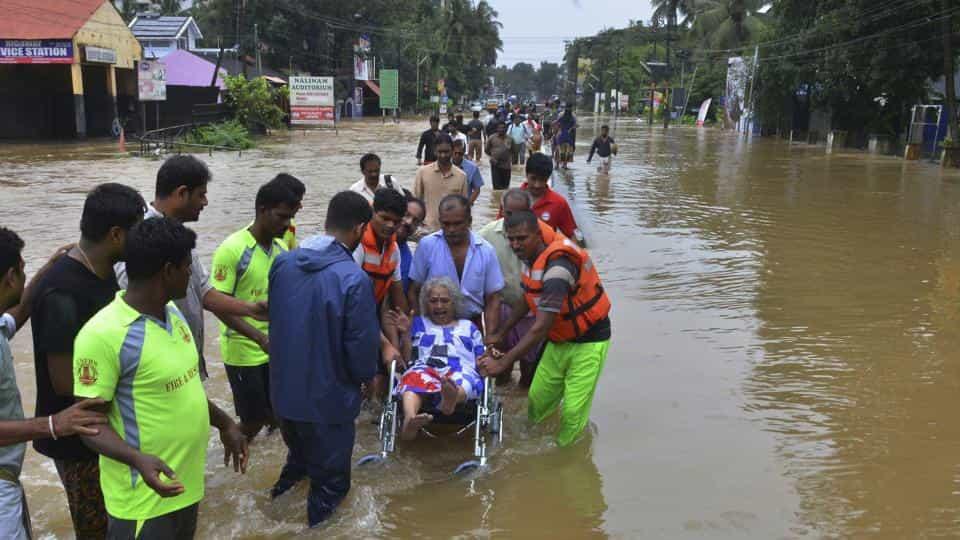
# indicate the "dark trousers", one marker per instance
pixel 324 453
pixel 501 177
pixel 179 525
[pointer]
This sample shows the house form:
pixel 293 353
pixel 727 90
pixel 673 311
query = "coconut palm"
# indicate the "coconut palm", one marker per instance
pixel 729 23
pixel 169 7
pixel 666 10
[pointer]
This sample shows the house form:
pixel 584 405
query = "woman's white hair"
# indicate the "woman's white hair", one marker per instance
pixel 459 307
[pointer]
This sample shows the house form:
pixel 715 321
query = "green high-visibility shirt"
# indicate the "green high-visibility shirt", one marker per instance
pixel 147 369
pixel 241 268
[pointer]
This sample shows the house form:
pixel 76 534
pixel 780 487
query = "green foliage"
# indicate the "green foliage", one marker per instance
pixel 254 102
pixel 458 43
pixel 865 65
pixel 730 23
pixel 230 134
pixel 523 79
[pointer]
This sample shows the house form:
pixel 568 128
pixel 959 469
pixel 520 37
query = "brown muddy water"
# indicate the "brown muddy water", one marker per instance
pixel 784 356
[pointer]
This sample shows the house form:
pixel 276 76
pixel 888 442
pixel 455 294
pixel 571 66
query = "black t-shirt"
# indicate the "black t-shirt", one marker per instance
pixel 555 293
pixel 65 299
pixel 428 146
pixel 477 125
pixel 603 148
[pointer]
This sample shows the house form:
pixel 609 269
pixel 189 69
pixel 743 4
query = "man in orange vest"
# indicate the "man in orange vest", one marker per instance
pixel 379 257
pixel 562 287
pixel 377 253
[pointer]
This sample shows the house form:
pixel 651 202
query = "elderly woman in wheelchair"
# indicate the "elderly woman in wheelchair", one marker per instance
pixel 441 350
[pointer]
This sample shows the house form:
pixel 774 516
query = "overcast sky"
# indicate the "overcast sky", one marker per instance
pixel 534 30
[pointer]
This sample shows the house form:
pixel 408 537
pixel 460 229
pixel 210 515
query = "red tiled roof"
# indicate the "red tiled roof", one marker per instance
pixel 44 19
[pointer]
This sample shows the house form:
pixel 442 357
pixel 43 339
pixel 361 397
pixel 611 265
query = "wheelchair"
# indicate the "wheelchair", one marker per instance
pixel 484 416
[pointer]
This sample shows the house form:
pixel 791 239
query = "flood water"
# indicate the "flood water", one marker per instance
pixel 783 365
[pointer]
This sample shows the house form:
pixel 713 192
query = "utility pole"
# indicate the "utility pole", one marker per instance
pixel 666 91
pixel 256 44
pixel 653 90
pixel 949 71
pixel 616 101
pixel 238 8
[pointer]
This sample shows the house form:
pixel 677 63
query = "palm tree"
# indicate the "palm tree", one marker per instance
pixel 665 11
pixel 169 7
pixel 729 23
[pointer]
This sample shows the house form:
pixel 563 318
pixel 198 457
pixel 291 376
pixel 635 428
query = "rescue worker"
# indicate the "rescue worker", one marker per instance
pixel 379 257
pixel 377 253
pixel 562 287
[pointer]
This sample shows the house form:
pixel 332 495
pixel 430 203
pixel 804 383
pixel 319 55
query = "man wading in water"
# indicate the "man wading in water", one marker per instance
pixel 562 287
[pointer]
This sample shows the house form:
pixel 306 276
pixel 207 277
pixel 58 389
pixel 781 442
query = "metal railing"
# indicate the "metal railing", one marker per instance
pixel 169 139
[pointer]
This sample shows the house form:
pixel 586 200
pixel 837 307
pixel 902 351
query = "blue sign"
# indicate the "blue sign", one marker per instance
pixel 36 51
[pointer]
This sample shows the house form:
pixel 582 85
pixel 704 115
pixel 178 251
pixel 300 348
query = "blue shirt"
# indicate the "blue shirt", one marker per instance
pixel 474 178
pixel 406 258
pixel 481 270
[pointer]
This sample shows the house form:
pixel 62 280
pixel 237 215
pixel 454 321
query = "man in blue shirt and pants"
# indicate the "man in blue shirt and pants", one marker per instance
pixel 324 335
pixel 474 178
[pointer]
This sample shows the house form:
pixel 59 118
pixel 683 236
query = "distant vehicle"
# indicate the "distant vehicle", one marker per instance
pixel 476 106
pixel 493 102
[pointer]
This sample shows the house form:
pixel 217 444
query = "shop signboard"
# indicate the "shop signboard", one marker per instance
pixel 36 51
pixel 311 101
pixel 100 55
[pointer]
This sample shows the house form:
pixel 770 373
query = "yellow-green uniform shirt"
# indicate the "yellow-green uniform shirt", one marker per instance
pixel 147 369
pixel 289 239
pixel 241 268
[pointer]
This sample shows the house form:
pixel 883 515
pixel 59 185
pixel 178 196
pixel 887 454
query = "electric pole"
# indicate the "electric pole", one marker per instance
pixel 616 101
pixel 256 45
pixel 949 71
pixel 666 91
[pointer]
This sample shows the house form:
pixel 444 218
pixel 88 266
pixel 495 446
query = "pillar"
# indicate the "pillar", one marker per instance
pixel 112 92
pixel 79 112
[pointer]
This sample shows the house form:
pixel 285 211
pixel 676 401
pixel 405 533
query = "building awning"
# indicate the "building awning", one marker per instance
pixel 373 86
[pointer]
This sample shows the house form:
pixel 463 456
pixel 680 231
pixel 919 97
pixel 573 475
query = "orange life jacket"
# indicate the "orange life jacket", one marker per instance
pixel 379 266
pixel 587 303
pixel 549 234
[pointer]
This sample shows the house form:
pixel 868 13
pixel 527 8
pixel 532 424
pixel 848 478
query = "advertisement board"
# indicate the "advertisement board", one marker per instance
pixel 311 101
pixel 738 78
pixel 152 81
pixel 389 89
pixel 36 51
pixel 358 102
pixel 363 62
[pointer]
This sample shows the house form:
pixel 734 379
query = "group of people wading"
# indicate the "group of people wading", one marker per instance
pixel 308 329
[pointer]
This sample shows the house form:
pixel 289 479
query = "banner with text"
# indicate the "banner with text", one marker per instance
pixel 311 101
pixel 36 51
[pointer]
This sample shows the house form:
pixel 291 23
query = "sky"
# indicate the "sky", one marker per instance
pixel 534 30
